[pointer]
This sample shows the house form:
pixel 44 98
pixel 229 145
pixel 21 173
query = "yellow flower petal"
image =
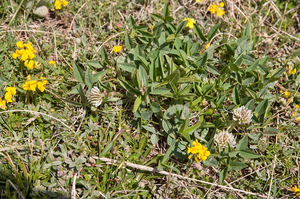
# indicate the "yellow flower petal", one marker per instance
pixel 8 97
pixel 12 90
pixel 57 5
pixel 2 104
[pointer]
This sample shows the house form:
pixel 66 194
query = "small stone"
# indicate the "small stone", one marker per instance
pixel 41 11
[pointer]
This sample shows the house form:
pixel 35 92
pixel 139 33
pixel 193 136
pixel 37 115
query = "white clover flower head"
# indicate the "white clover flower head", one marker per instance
pixel 224 137
pixel 242 114
pixel 95 97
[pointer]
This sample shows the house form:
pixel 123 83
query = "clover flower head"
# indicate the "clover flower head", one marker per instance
pixel 224 137
pixel 95 97
pixel 117 49
pixel 242 114
pixel 190 23
pixel 151 27
pixel 198 150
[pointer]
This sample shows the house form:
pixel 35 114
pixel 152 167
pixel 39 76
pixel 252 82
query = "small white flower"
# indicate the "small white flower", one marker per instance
pixel 223 138
pixel 95 97
pixel 242 114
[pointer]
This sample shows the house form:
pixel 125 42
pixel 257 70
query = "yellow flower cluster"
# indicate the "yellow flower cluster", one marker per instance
pixel 26 53
pixel 216 7
pixel 10 91
pixel 199 150
pixel 117 49
pixel 295 190
pixel 292 72
pixel 59 3
pixel 190 23
pixel 31 85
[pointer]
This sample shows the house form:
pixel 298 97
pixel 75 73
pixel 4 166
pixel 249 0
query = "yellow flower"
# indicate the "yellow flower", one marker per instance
pixel 151 27
pixel 292 71
pixel 44 81
pixel 294 113
pixel 190 23
pixel 297 106
pixel 216 7
pixel 57 5
pixel 29 64
pixel 12 90
pixel 8 97
pixel 20 44
pixel 41 86
pixel 295 189
pixel 207 46
pixel 30 85
pixel 198 1
pixel 64 3
pixel 286 93
pixel 117 48
pixel 298 119
pixel 2 104
pixel 220 12
pixel 15 55
pixel 199 150
pixel 52 62
pixel 213 8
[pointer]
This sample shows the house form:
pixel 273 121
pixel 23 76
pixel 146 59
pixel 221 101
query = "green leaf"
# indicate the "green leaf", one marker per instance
pixel 210 162
pixel 180 27
pixel 248 154
pixel 212 32
pixel 278 72
pixel 202 60
pixel 158 29
pixel 78 73
pixel 235 96
pixel 106 149
pixel 127 66
pixel 171 111
pixel 89 78
pixel 128 42
pixel 247 31
pixel 144 62
pixel 166 10
pixel 95 64
pixel 137 103
pixel 212 69
pixel 82 95
pixel 271 131
pixel 296 53
pixel 143 143
pixel 229 49
pixel 199 33
pixel 168 153
pixel 104 54
pixel 223 174
pixel 143 76
pixel 262 107
pixel 243 143
pixel 160 91
pixel 155 107
pixel 129 88
pixel 235 165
